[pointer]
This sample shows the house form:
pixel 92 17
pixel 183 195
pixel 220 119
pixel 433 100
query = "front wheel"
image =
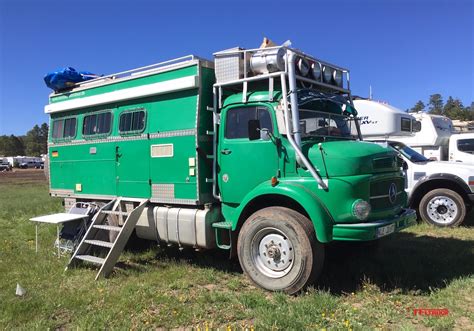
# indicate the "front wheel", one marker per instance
pixel 443 208
pixel 278 250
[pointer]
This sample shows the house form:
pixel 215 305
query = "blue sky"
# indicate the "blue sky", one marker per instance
pixel 406 50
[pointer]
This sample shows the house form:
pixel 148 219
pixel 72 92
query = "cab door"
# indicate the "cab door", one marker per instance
pixel 244 163
pixel 132 155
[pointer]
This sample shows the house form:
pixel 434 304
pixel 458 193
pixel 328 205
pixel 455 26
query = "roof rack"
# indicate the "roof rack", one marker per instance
pixel 134 73
pixel 233 66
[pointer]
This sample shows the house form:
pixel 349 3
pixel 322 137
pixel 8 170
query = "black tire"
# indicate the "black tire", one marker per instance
pixel 442 208
pixel 288 234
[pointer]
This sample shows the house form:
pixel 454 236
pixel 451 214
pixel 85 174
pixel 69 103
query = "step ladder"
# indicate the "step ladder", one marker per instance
pixel 115 248
pixel 220 228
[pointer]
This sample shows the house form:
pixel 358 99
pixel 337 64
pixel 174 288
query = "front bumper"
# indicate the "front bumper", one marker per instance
pixel 471 197
pixel 374 230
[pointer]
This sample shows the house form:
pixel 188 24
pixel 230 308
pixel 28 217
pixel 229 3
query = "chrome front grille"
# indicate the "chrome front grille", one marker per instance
pixel 382 195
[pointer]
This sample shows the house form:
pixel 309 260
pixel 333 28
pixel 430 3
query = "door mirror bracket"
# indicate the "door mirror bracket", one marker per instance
pixel 254 131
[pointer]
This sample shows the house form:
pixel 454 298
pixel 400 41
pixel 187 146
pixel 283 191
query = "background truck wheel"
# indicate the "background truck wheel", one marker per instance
pixel 278 250
pixel 442 207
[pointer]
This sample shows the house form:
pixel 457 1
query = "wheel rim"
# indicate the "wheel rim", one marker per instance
pixel 442 209
pixel 272 252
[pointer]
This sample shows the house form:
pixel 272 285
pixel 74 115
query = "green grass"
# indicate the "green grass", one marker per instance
pixel 423 267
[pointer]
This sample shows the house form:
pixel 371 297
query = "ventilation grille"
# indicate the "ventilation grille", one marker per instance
pixel 162 150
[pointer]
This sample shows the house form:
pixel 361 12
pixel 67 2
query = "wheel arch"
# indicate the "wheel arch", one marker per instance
pixel 291 196
pixel 436 181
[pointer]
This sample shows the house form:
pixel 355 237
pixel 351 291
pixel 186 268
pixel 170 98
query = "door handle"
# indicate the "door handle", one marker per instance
pixel 226 151
pixel 117 154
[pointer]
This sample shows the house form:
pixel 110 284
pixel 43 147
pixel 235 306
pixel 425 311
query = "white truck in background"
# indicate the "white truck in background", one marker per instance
pixel 430 135
pixel 441 191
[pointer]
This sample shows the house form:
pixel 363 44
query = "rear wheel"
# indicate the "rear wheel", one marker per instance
pixel 443 208
pixel 278 250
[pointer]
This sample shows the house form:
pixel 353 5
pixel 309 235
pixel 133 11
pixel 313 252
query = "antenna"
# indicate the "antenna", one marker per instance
pixel 370 92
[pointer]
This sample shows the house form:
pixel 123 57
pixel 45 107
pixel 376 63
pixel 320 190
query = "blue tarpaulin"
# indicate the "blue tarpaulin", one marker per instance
pixel 65 78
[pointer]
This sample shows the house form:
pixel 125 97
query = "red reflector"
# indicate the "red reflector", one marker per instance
pixel 274 181
pixel 471 182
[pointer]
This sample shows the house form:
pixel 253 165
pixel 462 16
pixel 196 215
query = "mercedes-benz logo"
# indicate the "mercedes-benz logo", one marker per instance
pixel 392 193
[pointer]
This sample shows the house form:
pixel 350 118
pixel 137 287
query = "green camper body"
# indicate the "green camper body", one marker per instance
pixel 155 142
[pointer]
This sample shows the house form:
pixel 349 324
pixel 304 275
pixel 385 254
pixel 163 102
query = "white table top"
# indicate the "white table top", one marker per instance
pixel 58 218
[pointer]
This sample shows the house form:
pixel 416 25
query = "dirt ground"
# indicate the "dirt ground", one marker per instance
pixel 22 176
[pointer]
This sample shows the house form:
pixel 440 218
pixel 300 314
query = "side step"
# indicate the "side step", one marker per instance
pixel 115 248
pixel 223 229
pixel 91 258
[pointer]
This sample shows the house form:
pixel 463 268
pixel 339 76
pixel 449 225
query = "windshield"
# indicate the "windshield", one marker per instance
pixel 466 145
pixel 409 153
pixel 316 123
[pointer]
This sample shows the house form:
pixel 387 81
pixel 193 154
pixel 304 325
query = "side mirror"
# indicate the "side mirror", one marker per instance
pixel 254 129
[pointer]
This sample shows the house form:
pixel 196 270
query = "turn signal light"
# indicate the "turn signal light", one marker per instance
pixel 274 181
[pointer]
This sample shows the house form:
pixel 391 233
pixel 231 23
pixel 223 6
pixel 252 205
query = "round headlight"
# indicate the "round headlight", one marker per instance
pixel 338 77
pixel 361 209
pixel 316 70
pixel 327 74
pixel 303 66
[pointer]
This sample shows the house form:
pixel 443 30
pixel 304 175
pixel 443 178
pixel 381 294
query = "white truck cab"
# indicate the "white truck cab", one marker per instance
pixel 461 148
pixel 441 191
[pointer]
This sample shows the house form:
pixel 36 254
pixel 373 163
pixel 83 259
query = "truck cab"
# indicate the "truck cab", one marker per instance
pixel 461 148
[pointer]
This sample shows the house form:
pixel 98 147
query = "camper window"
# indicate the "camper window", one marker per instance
pixel 406 124
pixel 132 122
pixel 64 128
pixel 97 124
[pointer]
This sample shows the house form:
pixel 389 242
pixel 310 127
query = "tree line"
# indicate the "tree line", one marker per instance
pixel 34 143
pixel 452 108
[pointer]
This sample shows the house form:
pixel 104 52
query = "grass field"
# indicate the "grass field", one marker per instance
pixel 423 267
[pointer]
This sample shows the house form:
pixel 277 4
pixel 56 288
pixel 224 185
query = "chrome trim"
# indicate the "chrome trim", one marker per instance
pixel 175 201
pixel 406 213
pixel 383 196
pixel 108 139
pixel 175 133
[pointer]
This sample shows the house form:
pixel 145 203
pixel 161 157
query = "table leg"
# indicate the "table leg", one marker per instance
pixel 59 249
pixel 36 238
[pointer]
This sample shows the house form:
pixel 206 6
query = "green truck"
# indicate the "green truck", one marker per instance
pixel 258 152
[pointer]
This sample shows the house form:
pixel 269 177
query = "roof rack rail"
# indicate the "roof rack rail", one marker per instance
pixel 142 70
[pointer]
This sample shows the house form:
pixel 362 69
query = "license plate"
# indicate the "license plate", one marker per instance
pixel 385 230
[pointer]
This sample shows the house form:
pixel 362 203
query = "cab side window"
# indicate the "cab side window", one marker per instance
pixel 237 120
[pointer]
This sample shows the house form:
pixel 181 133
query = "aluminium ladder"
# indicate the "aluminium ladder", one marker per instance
pixel 114 247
